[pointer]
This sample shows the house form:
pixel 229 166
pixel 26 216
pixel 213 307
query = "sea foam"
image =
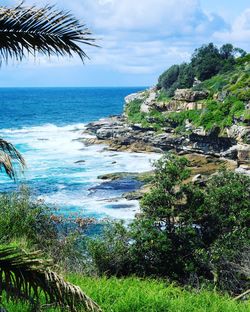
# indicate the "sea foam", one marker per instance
pixel 63 172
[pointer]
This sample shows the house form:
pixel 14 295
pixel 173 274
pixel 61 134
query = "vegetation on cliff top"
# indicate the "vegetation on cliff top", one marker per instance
pixel 224 73
pixel 206 62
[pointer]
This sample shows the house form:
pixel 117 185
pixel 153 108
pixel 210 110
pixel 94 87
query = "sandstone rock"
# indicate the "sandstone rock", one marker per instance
pixel 240 133
pixel 189 95
pixel 136 195
pixel 231 153
pixel 211 144
pixel 221 96
pixel 120 136
pixel 149 101
pixel 135 96
pixel 144 108
pixel 196 178
pixel 244 154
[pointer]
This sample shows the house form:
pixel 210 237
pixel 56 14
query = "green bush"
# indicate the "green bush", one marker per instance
pixel 185 232
pixel 133 112
pixel 215 113
pixel 20 217
pixel 207 62
pixel 29 224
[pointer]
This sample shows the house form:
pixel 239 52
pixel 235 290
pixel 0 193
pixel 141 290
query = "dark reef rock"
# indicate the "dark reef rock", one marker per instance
pixel 119 135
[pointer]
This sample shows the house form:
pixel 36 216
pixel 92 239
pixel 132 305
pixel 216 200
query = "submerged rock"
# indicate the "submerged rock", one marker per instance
pixel 80 161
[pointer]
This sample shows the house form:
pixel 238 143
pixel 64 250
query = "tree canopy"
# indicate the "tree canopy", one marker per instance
pixel 206 61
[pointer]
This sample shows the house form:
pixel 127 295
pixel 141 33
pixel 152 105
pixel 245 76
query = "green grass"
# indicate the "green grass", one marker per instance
pixel 162 96
pixel 133 112
pixel 136 116
pixel 216 113
pixel 137 295
pixel 234 87
pixel 235 82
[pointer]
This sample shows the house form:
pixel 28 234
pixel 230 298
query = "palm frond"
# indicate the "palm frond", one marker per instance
pixel 9 156
pixel 47 30
pixel 26 276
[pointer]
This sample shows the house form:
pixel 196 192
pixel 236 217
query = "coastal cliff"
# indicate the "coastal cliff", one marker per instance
pixel 210 119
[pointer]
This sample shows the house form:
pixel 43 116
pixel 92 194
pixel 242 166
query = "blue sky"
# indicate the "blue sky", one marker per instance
pixel 139 40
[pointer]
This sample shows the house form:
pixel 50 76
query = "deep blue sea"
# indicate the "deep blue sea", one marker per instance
pixel 44 124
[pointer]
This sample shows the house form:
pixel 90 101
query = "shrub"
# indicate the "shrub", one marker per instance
pixel 215 113
pixel 29 223
pixel 184 230
pixel 133 112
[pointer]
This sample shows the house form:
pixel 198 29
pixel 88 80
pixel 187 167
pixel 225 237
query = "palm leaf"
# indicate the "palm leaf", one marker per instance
pixel 47 30
pixel 26 276
pixel 9 156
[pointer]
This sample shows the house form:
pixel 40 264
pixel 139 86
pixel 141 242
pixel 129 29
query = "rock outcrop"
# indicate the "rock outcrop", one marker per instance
pixel 186 99
pixel 189 95
pixel 120 135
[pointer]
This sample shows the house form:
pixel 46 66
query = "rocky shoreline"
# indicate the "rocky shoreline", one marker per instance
pixel 119 135
pixel 207 152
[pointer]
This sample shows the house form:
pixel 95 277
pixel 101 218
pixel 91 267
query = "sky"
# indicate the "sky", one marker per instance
pixel 138 39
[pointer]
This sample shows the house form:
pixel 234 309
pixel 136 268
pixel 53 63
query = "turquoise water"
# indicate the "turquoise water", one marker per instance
pixel 44 124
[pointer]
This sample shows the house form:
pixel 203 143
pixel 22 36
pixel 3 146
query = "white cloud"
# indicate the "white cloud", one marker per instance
pixel 143 36
pixel 239 32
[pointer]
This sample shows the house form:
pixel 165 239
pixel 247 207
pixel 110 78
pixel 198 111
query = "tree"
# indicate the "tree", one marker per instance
pixel 9 155
pixel 169 77
pixel 206 61
pixel 184 230
pixel 26 276
pixel 226 51
pixel 177 76
pixel 186 76
pixel 31 30
pixel 224 221
pixel 164 238
pixel 24 31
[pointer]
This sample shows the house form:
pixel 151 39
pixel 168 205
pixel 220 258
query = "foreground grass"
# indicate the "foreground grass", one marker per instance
pixel 136 295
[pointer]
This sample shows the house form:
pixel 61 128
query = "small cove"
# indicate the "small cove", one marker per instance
pixel 62 171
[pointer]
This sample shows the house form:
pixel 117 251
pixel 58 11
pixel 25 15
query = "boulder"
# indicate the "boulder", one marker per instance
pixel 196 178
pixel 135 96
pixel 149 101
pixel 189 95
pixel 244 154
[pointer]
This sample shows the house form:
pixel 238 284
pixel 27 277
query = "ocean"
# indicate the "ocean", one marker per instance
pixel 44 125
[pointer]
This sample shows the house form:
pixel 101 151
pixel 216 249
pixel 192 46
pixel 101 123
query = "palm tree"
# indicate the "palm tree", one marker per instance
pixel 24 31
pixel 31 30
pixel 27 276
pixel 9 156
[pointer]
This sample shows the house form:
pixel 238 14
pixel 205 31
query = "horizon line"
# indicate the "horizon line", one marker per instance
pixel 61 87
